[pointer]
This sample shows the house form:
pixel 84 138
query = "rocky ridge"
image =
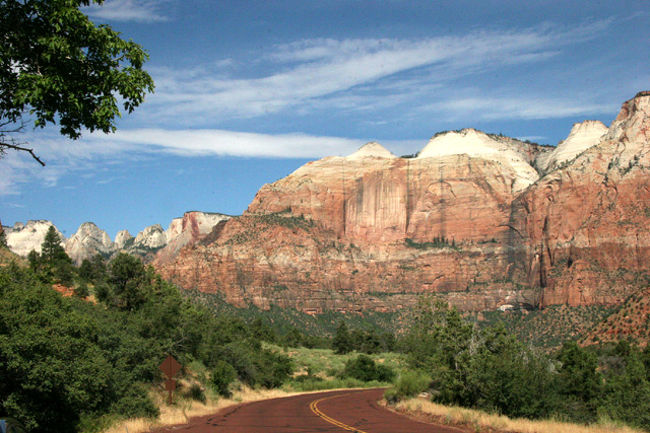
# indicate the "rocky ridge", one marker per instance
pixel 469 219
pixel 90 240
pixel 583 135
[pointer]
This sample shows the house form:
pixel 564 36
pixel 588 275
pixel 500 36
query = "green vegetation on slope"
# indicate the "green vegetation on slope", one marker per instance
pixel 67 364
pixel 550 327
pixel 489 369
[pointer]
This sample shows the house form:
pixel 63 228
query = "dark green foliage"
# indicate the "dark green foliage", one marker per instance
pixel 221 376
pixel 579 382
pixel 262 331
pixel 53 264
pixel 81 291
pixel 437 242
pixel 365 369
pixel 70 70
pixel 505 376
pixel 129 280
pixel 93 270
pixel 69 363
pixel 369 342
pixel 196 393
pixel 342 342
pixel 626 390
pixel 408 384
pixel 54 364
pixel 490 369
pixel 256 366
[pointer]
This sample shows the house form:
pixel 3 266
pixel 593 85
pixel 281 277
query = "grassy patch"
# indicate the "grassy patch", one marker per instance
pixel 321 368
pixel 482 421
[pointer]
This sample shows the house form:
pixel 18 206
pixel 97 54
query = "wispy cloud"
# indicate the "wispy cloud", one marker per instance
pixel 316 71
pixel 94 150
pixel 495 108
pixel 203 142
pixel 128 10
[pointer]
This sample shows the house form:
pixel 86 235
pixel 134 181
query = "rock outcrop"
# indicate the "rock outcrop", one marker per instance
pixel 88 241
pixel 192 227
pixel 583 136
pixel 123 239
pixel 23 238
pixel 469 219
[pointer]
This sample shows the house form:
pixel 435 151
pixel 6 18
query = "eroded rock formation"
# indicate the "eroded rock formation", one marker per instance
pixel 469 218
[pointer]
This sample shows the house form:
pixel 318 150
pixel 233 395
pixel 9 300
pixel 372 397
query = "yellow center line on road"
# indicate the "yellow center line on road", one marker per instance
pixel 314 408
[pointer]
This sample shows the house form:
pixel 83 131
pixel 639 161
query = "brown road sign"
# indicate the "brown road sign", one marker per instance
pixel 170 366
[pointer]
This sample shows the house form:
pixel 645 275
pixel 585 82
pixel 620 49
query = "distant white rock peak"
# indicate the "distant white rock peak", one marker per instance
pixel 371 150
pixel 467 141
pixel 88 241
pixel 478 144
pixel 583 135
pixel 22 238
pixel 151 237
pixel 121 238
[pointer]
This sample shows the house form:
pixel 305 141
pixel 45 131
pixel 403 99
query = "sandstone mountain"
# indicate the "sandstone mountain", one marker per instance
pixel 483 220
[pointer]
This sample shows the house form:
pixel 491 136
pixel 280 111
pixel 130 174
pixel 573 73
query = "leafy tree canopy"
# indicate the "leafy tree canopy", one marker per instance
pixel 57 65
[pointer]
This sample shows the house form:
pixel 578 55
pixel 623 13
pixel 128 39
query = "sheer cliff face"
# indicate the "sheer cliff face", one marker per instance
pixel 461 194
pixel 586 225
pixel 373 231
pixel 468 218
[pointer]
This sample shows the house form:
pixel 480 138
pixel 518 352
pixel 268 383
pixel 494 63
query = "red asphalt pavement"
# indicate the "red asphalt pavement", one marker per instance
pixel 333 411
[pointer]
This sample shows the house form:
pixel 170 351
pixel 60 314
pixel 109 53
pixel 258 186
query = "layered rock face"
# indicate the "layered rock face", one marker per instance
pixel 374 231
pixel 469 219
pixel 586 227
pixel 192 227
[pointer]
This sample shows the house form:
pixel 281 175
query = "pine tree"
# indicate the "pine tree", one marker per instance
pixel 342 342
pixel 56 263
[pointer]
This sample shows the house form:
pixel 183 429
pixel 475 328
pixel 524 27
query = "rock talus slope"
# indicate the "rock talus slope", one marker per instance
pixel 469 219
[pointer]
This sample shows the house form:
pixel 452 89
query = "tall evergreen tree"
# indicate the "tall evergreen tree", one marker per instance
pixel 342 342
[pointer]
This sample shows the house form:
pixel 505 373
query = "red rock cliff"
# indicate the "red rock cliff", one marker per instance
pixel 468 218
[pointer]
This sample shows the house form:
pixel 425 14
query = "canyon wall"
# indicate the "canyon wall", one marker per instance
pixel 484 221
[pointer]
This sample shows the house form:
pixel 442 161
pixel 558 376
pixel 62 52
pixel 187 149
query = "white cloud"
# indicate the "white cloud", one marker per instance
pixel 127 10
pixel 230 143
pixel 312 72
pixel 495 108
pixel 86 155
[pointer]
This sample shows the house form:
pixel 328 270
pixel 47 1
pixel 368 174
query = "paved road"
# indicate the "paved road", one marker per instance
pixel 334 411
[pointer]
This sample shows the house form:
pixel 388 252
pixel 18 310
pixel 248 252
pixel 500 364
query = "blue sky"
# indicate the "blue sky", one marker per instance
pixel 247 91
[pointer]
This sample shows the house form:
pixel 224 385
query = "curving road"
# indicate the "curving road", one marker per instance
pixel 333 411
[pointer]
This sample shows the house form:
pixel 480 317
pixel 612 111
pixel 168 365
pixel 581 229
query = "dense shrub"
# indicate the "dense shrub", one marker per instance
pixel 491 370
pixel 365 369
pixel 67 364
pixel 408 384
pixel 196 393
pixel 221 376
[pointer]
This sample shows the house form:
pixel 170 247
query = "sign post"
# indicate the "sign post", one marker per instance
pixel 170 367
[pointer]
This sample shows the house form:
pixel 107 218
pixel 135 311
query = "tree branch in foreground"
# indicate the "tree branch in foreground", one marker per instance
pixel 25 149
